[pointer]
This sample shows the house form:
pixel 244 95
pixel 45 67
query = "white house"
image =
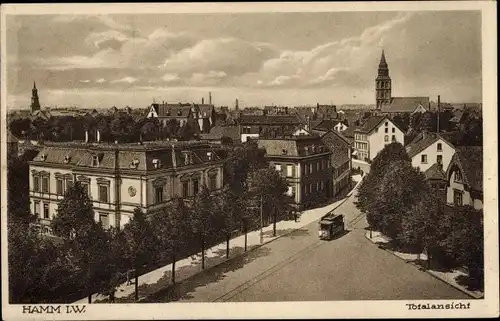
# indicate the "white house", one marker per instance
pixel 340 127
pixel 430 149
pixel 465 177
pixel 374 134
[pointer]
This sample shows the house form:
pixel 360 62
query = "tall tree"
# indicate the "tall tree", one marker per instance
pixel 141 244
pixel 84 239
pixel 172 227
pixel 203 218
pixel 229 208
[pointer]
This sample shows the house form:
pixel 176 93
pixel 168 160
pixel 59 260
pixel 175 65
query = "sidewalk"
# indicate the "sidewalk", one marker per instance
pixel 160 278
pixel 448 277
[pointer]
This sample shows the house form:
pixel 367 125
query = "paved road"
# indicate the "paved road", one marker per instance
pixel 299 267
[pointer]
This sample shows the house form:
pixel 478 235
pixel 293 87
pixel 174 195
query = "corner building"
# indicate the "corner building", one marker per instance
pixel 120 178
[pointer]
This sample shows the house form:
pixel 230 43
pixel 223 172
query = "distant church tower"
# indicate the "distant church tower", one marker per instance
pixel 383 83
pixel 35 103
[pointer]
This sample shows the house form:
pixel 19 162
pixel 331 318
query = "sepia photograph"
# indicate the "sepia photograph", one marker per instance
pixel 249 160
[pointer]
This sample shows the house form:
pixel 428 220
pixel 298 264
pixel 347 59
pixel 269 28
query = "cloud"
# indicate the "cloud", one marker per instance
pixel 170 78
pixel 100 80
pixel 210 78
pixel 128 80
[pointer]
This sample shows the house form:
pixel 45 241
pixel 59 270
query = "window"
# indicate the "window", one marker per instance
pixel 322 185
pixel 196 186
pixel 185 189
pixel 318 166
pixel 289 170
pixel 36 209
pixel 158 194
pixel 386 130
pixel 284 151
pixel 104 219
pixel 45 211
pixel 393 129
pixel 95 160
pixel 439 159
pixel 290 191
pixel 59 186
pixel 213 182
pixel 310 188
pixel 386 138
pixel 103 194
pixel 393 138
pixel 386 124
pixel 310 168
pixel 457 198
pixel 278 167
pixel 458 177
pixel 45 184
pixel 36 183
pixel 423 159
pixel 439 147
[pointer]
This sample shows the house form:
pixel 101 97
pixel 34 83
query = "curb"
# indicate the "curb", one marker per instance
pixel 251 249
pixel 428 272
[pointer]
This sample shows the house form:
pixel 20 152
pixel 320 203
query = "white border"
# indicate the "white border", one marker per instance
pixel 335 309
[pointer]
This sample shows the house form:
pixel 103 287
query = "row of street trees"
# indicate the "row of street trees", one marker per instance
pixel 400 204
pixel 120 126
pixel 86 258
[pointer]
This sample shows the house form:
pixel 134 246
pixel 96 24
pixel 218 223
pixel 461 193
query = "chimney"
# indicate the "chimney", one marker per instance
pixel 202 100
pixel 236 104
pixel 210 98
pixel 86 136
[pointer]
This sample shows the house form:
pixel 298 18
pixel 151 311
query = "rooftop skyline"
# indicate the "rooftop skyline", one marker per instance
pixel 259 58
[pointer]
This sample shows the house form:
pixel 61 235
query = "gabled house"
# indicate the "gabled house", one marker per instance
pixel 372 136
pixel 201 117
pixel 465 177
pixel 429 149
pixel 409 105
pixel 340 158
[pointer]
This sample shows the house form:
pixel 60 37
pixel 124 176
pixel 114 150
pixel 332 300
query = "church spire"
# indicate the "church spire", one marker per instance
pixel 382 60
pixel 35 103
pixel 383 83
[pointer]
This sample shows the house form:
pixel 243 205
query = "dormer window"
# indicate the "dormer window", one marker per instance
pixel 210 156
pixel 186 159
pixel 306 150
pixel 95 160
pixel 284 151
pixel 458 177
pixel 67 158
pixel 43 157
pixel 179 113
pixel 157 163
pixel 313 149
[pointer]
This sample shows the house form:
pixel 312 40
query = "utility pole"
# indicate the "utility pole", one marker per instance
pixel 439 109
pixel 261 223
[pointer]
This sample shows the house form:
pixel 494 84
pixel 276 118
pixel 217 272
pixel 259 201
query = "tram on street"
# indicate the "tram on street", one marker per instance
pixel 331 225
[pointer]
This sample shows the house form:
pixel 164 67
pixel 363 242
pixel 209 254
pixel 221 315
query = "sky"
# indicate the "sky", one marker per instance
pixel 258 58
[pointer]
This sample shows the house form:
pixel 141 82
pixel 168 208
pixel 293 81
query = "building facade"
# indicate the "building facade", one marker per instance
pixel 200 116
pixel 340 159
pixel 465 177
pixel 305 163
pixel 267 126
pixel 431 149
pixel 120 178
pixel 371 137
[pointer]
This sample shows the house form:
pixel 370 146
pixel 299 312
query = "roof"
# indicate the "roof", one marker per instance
pixel 405 104
pixel 326 123
pixel 423 141
pixel 435 173
pixel 172 110
pixel 269 119
pixel 349 132
pixel 470 160
pixel 370 124
pixel 83 157
pixel 294 146
pixel 218 132
pixel 339 146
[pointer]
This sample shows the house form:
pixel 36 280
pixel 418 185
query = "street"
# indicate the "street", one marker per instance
pixel 300 267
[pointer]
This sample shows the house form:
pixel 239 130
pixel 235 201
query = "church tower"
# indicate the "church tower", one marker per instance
pixel 35 103
pixel 383 83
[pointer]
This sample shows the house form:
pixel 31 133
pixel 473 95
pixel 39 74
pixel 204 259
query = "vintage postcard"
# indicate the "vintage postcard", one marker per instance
pixel 249 160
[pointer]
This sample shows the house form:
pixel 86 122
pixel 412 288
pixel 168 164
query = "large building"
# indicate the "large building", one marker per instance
pixel 390 105
pixel 305 162
pixel 200 116
pixel 120 178
pixel 253 126
pixel 372 136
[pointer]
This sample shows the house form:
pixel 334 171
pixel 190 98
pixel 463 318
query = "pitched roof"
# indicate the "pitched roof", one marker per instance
pixel 370 124
pixel 349 132
pixel 405 104
pixel 326 123
pixel 470 159
pixel 424 141
pixel 217 132
pixel 435 173
pixel 269 119
pixel 294 146
pixel 172 110
pixel 339 147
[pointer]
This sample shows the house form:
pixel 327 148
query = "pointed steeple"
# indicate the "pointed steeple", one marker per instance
pixel 34 85
pixel 35 102
pixel 382 59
